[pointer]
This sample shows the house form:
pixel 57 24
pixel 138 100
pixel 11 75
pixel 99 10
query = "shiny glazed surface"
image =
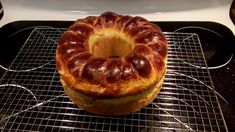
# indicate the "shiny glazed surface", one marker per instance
pixel 111 52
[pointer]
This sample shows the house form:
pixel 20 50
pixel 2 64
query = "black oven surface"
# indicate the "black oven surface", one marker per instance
pixel 33 98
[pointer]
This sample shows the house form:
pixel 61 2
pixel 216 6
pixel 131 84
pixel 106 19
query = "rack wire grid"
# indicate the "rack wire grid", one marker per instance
pixel 33 99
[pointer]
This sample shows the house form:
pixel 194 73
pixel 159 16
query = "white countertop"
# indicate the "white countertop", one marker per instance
pixel 153 10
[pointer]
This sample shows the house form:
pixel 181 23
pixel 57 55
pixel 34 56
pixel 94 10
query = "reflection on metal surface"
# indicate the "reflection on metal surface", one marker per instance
pixel 187 126
pixel 172 97
pixel 189 91
pixel 26 70
pixel 19 86
pixel 32 107
pixel 217 51
pixel 195 79
pixel 196 27
pixel 208 67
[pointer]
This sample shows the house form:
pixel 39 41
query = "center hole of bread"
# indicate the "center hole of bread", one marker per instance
pixel 110 43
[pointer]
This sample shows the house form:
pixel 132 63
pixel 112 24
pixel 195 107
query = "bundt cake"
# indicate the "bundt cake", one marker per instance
pixel 112 64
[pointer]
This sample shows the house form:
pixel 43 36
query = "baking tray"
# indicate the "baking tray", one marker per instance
pixel 32 98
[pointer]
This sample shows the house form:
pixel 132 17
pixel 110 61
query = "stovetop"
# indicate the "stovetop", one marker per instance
pixel 216 39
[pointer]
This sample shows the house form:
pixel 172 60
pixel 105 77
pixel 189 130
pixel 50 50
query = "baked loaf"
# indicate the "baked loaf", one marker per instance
pixel 112 64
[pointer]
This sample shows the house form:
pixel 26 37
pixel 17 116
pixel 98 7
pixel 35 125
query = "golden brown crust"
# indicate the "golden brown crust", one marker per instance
pixel 103 77
pixel 114 106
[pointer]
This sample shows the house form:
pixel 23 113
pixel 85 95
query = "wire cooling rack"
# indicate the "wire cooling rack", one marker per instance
pixel 32 98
